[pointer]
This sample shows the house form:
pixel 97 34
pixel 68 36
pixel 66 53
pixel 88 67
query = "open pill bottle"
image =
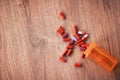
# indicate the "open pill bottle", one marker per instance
pixel 100 56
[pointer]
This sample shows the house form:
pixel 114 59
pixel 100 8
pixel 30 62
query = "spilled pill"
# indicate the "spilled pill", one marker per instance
pixel 85 45
pixel 77 36
pixel 85 36
pixel 69 47
pixel 65 35
pixel 75 29
pixel 61 15
pixel 66 39
pixel 77 64
pixel 73 38
pixel 60 30
pixel 80 43
pixel 81 32
pixel 71 42
pixel 69 52
pixel 62 59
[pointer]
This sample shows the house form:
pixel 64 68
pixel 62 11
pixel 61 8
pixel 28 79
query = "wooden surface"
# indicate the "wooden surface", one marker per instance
pixel 30 47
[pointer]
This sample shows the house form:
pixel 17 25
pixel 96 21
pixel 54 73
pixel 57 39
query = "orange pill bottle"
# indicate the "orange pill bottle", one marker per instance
pixel 100 56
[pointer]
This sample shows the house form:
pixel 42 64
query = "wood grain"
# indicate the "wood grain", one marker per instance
pixel 30 47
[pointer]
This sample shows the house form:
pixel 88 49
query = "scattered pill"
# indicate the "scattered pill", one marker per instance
pixel 81 32
pixel 73 38
pixel 75 29
pixel 69 52
pixel 85 45
pixel 71 42
pixel 77 64
pixel 62 59
pixel 65 35
pixel 78 39
pixel 60 33
pixel 69 47
pixel 60 30
pixel 85 36
pixel 77 36
pixel 66 39
pixel 80 43
pixel 64 53
pixel 61 15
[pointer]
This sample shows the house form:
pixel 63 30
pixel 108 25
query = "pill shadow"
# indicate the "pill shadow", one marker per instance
pixel 117 71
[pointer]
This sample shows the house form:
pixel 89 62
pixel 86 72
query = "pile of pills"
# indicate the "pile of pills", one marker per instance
pixel 78 39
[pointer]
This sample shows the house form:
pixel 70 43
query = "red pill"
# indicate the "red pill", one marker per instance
pixel 60 30
pixel 66 39
pixel 65 35
pixel 69 47
pixel 64 53
pixel 60 33
pixel 85 36
pixel 61 15
pixel 71 42
pixel 77 36
pixel 77 64
pixel 81 32
pixel 85 45
pixel 69 52
pixel 75 29
pixel 80 43
pixel 62 59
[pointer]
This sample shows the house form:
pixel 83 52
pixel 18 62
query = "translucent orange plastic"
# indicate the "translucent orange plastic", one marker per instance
pixel 101 57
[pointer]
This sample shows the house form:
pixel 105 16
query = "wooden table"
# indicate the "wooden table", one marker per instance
pixel 30 47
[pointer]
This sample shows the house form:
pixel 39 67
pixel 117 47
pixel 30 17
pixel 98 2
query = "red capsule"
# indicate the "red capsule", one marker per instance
pixel 75 29
pixel 60 33
pixel 64 53
pixel 60 30
pixel 71 42
pixel 62 59
pixel 69 52
pixel 61 15
pixel 77 64
pixel 69 47
pixel 65 35
pixel 80 43
pixel 85 36
pixel 81 32
pixel 85 45
pixel 77 36
pixel 66 39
